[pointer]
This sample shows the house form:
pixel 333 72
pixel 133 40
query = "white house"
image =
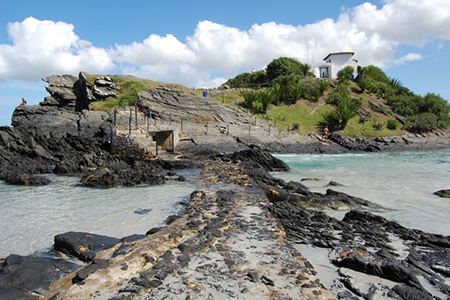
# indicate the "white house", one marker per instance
pixel 333 63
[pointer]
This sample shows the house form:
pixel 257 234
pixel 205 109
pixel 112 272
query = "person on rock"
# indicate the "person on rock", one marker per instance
pixel 325 133
pixel 24 102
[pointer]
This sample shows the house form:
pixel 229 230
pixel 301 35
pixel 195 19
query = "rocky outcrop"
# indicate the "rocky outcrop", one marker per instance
pixel 443 193
pixel 105 87
pixel 408 142
pixel 225 245
pixel 61 90
pixel 366 243
pixel 57 123
pixel 83 245
pixel 28 277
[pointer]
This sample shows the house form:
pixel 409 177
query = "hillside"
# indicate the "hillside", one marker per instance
pixel 309 114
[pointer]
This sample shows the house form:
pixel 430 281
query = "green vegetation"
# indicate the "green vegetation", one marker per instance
pixel 286 66
pixel 386 105
pixel 127 95
pixel 285 94
pixel 346 74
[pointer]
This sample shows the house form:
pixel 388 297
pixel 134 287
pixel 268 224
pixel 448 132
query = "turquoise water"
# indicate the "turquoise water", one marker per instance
pixel 32 216
pixel 403 183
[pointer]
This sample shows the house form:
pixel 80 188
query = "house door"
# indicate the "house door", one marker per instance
pixel 324 72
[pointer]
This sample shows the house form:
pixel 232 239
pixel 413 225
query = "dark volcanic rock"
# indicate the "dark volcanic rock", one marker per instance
pixel 27 277
pixel 83 245
pixel 105 87
pixel 443 193
pixel 24 179
pixel 256 158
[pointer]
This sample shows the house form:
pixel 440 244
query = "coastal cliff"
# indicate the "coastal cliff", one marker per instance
pixel 240 231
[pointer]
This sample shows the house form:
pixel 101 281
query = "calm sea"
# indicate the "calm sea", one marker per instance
pixel 32 216
pixel 403 183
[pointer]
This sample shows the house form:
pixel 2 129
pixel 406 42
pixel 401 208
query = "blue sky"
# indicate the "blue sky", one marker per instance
pixel 203 43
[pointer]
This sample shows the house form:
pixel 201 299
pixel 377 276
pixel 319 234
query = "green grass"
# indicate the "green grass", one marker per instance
pixel 128 94
pixel 308 115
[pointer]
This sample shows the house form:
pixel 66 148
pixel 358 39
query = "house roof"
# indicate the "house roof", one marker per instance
pixel 338 53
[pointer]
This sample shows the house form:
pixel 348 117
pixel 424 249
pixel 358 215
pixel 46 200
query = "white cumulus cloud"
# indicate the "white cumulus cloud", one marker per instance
pixel 41 48
pixel 408 57
pixel 215 51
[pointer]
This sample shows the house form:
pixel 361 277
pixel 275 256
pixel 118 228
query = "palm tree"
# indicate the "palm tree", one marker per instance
pixel 347 109
pixel 305 70
pixel 279 92
pixel 266 98
pixel 250 98
pixel 297 93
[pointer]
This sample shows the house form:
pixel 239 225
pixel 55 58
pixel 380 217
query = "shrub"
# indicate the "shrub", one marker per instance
pixel 377 124
pixel 312 90
pixel 340 93
pixel 330 119
pixel 404 105
pixel 373 73
pixel 392 124
pixel 436 105
pixel 421 123
pixel 323 86
pixel 345 74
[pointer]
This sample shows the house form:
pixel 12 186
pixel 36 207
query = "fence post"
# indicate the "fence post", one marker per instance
pixel 228 129
pixel 135 114
pixel 269 129
pixel 249 128
pixel 115 117
pixel 129 122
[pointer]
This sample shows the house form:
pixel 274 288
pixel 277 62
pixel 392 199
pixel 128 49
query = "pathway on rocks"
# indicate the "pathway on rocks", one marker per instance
pixel 227 245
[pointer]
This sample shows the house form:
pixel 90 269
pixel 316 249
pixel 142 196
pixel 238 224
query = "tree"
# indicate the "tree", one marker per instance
pixel 258 78
pixel 346 110
pixel 279 91
pixel 373 73
pixel 435 104
pixel 250 98
pixel 284 66
pixel 266 98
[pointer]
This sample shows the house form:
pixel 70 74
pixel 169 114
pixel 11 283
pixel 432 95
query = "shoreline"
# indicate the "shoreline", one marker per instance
pixel 242 178
pixel 206 252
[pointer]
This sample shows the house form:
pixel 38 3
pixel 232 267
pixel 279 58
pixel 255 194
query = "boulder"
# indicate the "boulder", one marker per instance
pixel 24 179
pixel 52 121
pixel 61 89
pixel 256 158
pixel 443 193
pixel 83 245
pixel 105 87
pixel 27 277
